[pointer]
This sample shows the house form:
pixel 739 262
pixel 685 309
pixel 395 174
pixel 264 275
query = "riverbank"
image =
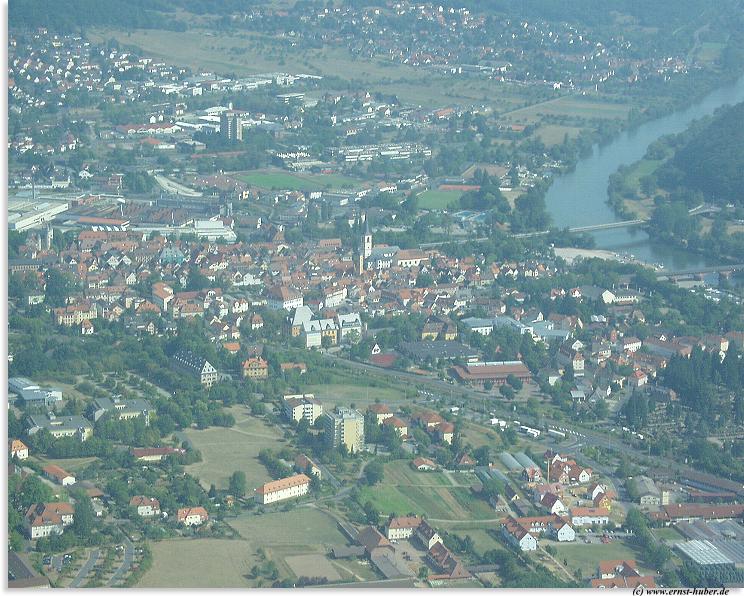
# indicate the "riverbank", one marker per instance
pixel 579 198
pixel 660 189
pixel 572 254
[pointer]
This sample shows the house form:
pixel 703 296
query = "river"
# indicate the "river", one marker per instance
pixel 579 197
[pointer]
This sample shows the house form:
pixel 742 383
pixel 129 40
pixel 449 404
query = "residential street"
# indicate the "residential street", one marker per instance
pixel 125 564
pixel 85 569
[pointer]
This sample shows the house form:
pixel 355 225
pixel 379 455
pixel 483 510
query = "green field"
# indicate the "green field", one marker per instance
pixel 670 534
pixel 289 181
pixel 250 53
pixel 642 168
pixel 478 436
pixel 310 529
pixel 554 134
pixel 286 534
pixel 247 53
pixel 478 532
pixel 586 556
pixel 431 494
pixel 361 397
pixel 400 473
pixel 204 563
pixel 73 464
pixel 577 107
pixel 438 199
pixel 225 450
pixel 214 563
pixel 709 51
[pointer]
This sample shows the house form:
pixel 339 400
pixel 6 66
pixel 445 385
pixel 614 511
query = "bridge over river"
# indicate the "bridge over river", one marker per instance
pixel 729 268
pixel 611 225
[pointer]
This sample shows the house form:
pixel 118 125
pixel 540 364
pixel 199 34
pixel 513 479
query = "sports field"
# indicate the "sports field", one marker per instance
pixel 438 199
pixel 225 450
pixel 278 179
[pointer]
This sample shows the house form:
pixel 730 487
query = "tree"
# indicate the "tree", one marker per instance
pixel 237 483
pixel 197 281
pixel 58 287
pixel 85 517
pixel 371 512
pixel 374 473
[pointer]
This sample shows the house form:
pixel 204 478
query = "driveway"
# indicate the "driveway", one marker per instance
pixel 85 569
pixel 125 564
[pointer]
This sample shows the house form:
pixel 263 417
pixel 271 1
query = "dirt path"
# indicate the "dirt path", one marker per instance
pixel 559 565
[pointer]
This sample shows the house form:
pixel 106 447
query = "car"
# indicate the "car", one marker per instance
pixel 47 560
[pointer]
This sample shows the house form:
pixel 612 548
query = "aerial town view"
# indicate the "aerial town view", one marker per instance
pixel 375 294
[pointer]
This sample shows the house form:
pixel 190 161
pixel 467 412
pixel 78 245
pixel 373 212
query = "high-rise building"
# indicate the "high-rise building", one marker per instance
pixel 344 426
pixel 231 126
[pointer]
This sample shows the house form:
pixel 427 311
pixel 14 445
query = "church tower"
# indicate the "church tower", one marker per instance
pixel 366 237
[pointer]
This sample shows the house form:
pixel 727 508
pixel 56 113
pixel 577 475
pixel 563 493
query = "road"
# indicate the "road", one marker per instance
pixel 590 437
pixel 85 569
pixel 172 187
pixel 125 564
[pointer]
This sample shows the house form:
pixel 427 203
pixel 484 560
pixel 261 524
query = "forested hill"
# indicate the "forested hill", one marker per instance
pixel 711 160
pixel 72 16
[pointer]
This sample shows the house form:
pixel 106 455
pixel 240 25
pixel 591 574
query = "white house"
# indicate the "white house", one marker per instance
pixel 192 516
pixel 146 506
pixel 18 449
pixel 285 488
pixel 518 535
pixel 284 298
pixel 349 324
pixel 563 532
pixel 586 516
pixel 400 528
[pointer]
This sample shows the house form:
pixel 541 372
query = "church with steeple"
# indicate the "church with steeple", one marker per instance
pixel 363 248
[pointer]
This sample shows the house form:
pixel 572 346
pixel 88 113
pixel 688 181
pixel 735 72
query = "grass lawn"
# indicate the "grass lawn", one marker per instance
pixel 586 556
pixel 436 503
pixel 288 534
pixel 482 539
pixel 478 435
pixel 246 53
pixel 203 563
pixel 73 464
pixel 438 199
pixel 553 134
pixel 642 168
pixel 709 51
pixel 670 534
pixel 400 473
pixel 225 450
pixel 286 180
pixel 218 563
pixel 362 396
pixel 301 529
pixel 567 105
